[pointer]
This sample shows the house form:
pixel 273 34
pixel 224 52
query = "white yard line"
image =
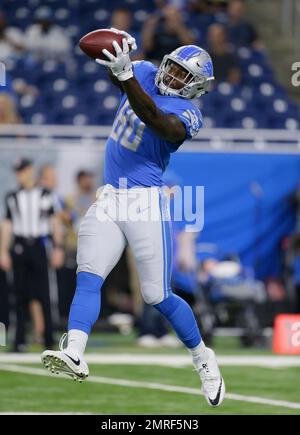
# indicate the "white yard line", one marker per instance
pixel 272 361
pixel 155 386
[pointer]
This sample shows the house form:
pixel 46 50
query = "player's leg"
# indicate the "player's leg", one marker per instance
pixel 100 245
pixel 151 243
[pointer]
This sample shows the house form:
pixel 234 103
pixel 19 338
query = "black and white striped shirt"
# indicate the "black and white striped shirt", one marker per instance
pixel 30 212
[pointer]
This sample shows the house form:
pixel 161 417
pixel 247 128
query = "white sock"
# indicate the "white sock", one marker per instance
pixel 199 353
pixel 77 341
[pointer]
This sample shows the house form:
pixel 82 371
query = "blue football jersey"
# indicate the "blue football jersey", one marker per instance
pixel 133 150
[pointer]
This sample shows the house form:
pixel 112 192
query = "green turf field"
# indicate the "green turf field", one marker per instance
pixel 39 391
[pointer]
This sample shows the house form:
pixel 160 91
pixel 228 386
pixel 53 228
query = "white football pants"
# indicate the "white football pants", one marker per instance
pixel 139 217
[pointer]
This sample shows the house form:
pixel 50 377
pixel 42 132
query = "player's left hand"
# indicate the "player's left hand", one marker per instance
pixel 120 64
pixel 130 39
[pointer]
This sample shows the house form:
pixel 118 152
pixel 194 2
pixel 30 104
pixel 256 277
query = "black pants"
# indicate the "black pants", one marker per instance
pixel 4 307
pixel 66 282
pixel 31 282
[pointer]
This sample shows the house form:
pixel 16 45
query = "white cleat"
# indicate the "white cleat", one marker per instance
pixel 65 362
pixel 213 385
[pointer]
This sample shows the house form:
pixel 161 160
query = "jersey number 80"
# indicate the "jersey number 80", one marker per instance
pixel 127 128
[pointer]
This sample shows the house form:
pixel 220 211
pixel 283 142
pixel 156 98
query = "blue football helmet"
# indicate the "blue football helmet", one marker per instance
pixel 199 72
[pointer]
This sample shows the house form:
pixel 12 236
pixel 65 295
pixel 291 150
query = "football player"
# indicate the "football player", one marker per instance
pixel 155 116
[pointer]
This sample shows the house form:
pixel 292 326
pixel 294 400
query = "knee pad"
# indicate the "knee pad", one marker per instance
pixel 168 306
pixel 152 294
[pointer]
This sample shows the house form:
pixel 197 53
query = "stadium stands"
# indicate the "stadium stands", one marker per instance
pixel 79 92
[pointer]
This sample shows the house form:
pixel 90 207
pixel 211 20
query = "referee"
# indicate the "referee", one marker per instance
pixel 30 226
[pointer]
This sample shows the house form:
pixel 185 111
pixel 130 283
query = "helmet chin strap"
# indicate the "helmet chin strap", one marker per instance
pixel 167 90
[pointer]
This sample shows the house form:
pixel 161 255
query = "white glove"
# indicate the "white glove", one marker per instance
pixel 130 39
pixel 120 64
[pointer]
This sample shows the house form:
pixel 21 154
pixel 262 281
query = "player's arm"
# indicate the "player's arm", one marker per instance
pixel 167 126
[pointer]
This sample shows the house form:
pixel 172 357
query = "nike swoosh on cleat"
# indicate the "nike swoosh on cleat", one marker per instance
pixel 77 363
pixel 215 401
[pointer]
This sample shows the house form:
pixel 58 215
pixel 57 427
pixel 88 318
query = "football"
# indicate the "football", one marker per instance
pixel 94 42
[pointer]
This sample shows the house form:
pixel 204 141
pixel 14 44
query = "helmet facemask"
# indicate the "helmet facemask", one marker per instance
pixel 169 84
pixel 178 80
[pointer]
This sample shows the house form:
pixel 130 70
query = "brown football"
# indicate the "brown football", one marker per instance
pixel 94 42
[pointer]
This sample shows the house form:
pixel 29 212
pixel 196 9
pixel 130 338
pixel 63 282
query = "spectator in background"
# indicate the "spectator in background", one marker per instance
pixel 48 180
pixel 228 283
pixel 8 98
pixel 45 40
pixel 8 110
pixel 197 6
pixel 296 277
pixel 180 4
pixel 216 8
pixel 292 254
pixel 78 203
pixel 11 40
pixel 241 33
pixel 165 31
pixel 225 63
pixel 17 88
pixel 121 19
pixel 48 177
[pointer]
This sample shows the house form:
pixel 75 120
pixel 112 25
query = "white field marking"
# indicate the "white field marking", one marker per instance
pixel 272 361
pixel 154 386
